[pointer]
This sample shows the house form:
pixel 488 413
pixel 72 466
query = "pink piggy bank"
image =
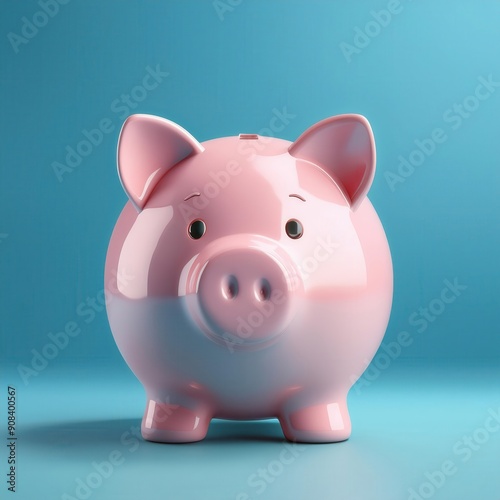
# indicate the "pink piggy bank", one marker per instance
pixel 248 277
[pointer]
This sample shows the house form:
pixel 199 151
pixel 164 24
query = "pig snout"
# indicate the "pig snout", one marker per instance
pixel 246 294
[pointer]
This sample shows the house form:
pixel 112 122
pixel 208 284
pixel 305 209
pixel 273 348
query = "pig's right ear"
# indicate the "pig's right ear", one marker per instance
pixel 343 146
pixel 148 147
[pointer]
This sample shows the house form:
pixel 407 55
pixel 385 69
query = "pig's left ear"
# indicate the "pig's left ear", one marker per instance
pixel 343 146
pixel 148 147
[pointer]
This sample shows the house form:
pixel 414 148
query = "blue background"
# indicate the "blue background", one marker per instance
pixel 230 66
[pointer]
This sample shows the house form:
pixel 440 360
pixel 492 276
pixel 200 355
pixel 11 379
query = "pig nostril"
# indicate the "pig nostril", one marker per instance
pixel 230 287
pixel 263 290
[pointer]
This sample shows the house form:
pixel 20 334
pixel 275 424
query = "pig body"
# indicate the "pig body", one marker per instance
pixel 248 277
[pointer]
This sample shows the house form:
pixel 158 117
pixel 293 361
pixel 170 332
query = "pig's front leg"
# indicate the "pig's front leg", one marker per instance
pixel 171 419
pixel 323 421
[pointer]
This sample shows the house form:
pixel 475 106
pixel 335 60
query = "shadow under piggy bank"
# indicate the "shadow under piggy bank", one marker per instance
pixel 232 449
pixel 77 438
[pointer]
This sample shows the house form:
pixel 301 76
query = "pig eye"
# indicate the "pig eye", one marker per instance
pixel 197 229
pixel 294 229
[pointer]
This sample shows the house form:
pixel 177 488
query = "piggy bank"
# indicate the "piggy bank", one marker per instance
pixel 247 277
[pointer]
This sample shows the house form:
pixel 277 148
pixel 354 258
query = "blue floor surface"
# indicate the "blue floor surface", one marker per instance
pixel 420 430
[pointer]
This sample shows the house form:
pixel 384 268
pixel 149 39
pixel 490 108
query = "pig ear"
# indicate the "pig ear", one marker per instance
pixel 148 147
pixel 344 147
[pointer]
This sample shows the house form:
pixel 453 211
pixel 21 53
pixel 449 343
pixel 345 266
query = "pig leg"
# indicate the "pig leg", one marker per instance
pixel 324 422
pixel 167 422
